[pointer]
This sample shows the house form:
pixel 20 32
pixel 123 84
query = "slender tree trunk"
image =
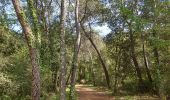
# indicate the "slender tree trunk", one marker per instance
pixel 138 71
pixel 93 74
pixel 99 55
pixel 117 61
pixel 146 61
pixel 80 73
pixel 146 65
pixel 33 51
pixel 92 69
pixel 115 82
pixel 76 51
pixel 68 78
pixel 63 51
pixel 155 51
pixel 84 73
pixel 157 64
pixel 133 55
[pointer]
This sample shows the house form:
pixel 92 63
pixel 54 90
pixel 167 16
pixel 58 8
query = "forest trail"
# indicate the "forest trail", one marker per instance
pixel 87 93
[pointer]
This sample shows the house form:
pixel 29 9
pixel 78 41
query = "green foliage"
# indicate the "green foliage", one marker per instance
pixel 144 24
pixel 20 71
pixel 9 43
pixel 159 43
pixel 13 56
pixel 7 86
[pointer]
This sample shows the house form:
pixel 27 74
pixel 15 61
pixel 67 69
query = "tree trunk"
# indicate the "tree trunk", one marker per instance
pixel 157 64
pixel 33 51
pixel 76 51
pixel 133 55
pixel 36 74
pixel 93 75
pixel 146 65
pixel 155 51
pixel 99 55
pixel 68 77
pixel 63 51
pixel 80 73
pixel 117 65
pixel 146 61
pixel 36 29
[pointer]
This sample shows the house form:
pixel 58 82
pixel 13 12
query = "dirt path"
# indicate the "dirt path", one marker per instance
pixel 90 93
pixel 87 93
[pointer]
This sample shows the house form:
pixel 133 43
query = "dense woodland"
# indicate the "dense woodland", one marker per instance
pixel 49 46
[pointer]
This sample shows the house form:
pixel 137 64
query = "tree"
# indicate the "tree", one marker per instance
pixel 99 55
pixel 62 51
pixel 76 52
pixel 146 60
pixel 66 39
pixel 133 55
pixel 33 50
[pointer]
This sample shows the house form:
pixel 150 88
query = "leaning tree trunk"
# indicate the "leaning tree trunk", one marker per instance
pixel 33 51
pixel 76 51
pixel 145 60
pixel 99 55
pixel 134 59
pixel 62 51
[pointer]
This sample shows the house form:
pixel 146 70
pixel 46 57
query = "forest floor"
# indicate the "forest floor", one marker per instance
pixel 87 92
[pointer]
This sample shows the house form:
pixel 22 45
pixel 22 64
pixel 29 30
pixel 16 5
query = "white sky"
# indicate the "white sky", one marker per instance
pixel 102 30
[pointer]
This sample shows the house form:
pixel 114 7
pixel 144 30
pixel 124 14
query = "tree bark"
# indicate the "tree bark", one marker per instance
pixel 36 74
pixel 99 55
pixel 157 64
pixel 76 51
pixel 117 65
pixel 33 51
pixel 36 29
pixel 133 55
pixel 146 61
pixel 146 65
pixel 80 76
pixel 68 77
pixel 63 51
